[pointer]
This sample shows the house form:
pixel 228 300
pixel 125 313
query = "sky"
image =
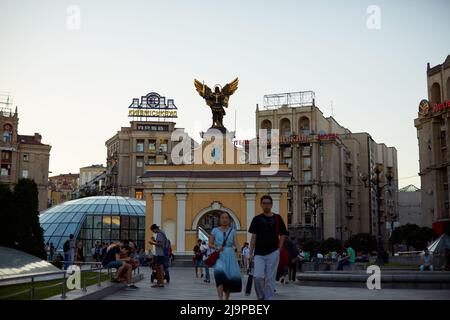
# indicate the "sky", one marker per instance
pixel 73 67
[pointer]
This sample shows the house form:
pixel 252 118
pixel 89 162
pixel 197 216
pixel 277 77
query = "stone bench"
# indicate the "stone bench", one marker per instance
pixel 389 279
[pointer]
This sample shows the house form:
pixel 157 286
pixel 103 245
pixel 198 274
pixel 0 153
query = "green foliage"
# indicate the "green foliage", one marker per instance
pixel 329 245
pixel 363 242
pixel 20 221
pixel 7 217
pixel 310 246
pixel 412 235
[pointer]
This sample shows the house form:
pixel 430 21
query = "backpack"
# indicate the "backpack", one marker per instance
pixel 66 246
pixel 166 245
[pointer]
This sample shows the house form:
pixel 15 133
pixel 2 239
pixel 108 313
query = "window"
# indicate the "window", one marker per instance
pixel 140 162
pixel 163 146
pixel 307 177
pixel 307 163
pixel 7 133
pixel 6 137
pixel 288 162
pixel 140 146
pixel 151 160
pixel 6 156
pixel 138 194
pixel 306 150
pixel 26 157
pixel 5 170
pixel 24 173
pixel 307 219
pixel 152 145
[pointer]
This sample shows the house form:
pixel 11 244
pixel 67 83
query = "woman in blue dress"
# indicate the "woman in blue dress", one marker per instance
pixel 226 270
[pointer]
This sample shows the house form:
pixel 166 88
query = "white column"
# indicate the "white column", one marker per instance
pixel 157 208
pixel 250 197
pixel 181 221
pixel 276 202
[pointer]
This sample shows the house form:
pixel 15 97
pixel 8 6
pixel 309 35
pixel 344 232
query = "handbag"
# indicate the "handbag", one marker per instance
pixel 211 260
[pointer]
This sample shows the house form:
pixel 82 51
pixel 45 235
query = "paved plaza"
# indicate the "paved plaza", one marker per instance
pixel 184 286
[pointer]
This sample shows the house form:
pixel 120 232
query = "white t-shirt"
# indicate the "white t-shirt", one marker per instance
pixel 246 252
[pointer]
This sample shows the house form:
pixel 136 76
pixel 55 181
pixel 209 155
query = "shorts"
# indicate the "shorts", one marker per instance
pixel 116 264
pixel 159 260
pixel 198 263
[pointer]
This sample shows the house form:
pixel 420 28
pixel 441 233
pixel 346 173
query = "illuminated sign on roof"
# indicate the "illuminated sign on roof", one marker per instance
pixel 152 105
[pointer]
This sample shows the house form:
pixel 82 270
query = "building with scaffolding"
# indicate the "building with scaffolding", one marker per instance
pixel 326 195
pixel 22 156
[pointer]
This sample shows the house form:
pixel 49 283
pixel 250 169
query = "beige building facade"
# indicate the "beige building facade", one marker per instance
pixel 22 156
pixel 147 141
pixel 433 134
pixel 327 162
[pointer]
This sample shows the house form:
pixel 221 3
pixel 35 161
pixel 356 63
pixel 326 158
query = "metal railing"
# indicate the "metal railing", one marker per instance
pixel 32 289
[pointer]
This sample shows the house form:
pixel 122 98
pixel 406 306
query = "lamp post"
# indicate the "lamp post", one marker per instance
pixel 313 204
pixel 375 183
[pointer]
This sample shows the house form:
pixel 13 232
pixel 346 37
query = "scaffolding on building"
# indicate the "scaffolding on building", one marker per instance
pixel 6 103
pixel 290 99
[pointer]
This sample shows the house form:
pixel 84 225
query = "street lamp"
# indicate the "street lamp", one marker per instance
pixel 375 183
pixel 313 204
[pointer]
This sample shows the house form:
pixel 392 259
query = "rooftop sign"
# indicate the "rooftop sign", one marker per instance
pixel 152 106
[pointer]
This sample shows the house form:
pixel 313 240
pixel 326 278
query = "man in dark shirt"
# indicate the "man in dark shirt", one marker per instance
pixel 268 232
pixel 112 260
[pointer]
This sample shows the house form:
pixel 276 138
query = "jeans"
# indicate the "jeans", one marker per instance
pixel 292 269
pixel 67 261
pixel 207 276
pixel 265 273
pixel 166 268
pixel 343 263
pixel 427 267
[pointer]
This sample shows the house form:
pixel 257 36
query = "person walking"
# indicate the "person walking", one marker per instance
pixel 206 251
pixel 293 253
pixel 51 252
pixel 227 273
pixel 268 232
pixel 245 256
pixel 198 258
pixel 160 243
pixel 69 251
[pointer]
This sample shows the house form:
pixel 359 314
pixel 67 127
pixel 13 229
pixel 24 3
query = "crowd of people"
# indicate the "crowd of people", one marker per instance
pixel 270 256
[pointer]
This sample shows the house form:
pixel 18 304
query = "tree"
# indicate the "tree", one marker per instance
pixel 412 235
pixel 330 244
pixel 29 234
pixel 311 246
pixel 363 242
pixel 7 217
pixel 423 236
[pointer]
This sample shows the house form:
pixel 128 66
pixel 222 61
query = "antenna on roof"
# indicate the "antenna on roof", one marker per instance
pixel 234 123
pixel 332 110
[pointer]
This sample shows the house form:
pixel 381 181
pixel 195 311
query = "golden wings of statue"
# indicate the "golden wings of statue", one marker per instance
pixel 217 99
pixel 218 95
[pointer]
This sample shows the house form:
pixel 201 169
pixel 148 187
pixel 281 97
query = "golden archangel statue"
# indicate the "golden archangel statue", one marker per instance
pixel 217 99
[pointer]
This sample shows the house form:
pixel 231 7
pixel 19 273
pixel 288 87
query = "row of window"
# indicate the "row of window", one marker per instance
pixel 5 171
pixel 152 145
pixel 106 235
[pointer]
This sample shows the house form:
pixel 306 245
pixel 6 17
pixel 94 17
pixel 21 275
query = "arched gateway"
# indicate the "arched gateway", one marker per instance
pixel 193 195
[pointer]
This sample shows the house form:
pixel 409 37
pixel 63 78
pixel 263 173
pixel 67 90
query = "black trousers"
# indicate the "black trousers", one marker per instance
pixel 292 270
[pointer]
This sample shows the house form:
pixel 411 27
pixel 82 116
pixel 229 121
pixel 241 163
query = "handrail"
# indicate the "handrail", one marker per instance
pixel 32 288
pixel 49 273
